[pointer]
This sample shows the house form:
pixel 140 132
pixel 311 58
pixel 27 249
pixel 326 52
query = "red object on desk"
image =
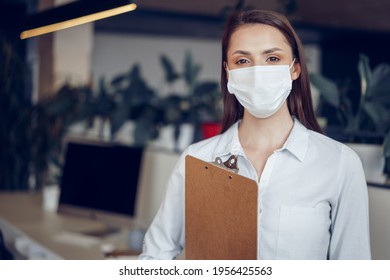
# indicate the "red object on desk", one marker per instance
pixel 210 129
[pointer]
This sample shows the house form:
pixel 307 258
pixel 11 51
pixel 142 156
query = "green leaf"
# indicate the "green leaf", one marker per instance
pixel 118 80
pixel 379 87
pixel 170 73
pixel 386 145
pixel 345 109
pixel 173 112
pixel 118 118
pixel 328 89
pixel 191 70
pixel 386 168
pixel 206 88
pixel 135 72
pixel 365 74
pixel 102 88
pixel 379 114
pixel 144 131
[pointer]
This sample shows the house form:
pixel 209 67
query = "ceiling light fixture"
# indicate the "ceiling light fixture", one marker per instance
pixel 73 14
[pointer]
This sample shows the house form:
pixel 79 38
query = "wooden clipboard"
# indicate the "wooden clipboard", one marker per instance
pixel 220 213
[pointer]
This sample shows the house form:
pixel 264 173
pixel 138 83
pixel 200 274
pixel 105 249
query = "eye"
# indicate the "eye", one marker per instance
pixel 242 61
pixel 273 59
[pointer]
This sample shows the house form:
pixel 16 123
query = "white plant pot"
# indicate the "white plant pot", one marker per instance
pixel 166 139
pixel 50 197
pixel 373 161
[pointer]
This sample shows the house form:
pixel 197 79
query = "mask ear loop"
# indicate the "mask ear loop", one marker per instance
pixel 292 63
pixel 226 66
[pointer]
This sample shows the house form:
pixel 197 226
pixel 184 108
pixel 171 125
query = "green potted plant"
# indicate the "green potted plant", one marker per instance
pixel 50 119
pixel 135 100
pixel 31 134
pixel 370 122
pixel 200 105
pixel 15 128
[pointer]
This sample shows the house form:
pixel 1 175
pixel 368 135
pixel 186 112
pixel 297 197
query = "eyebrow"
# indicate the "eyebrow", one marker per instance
pixel 264 52
pixel 241 52
pixel 271 50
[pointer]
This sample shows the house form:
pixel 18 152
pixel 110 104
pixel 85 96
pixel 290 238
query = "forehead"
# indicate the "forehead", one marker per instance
pixel 257 37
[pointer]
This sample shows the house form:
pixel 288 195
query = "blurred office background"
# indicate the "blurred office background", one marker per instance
pixel 150 78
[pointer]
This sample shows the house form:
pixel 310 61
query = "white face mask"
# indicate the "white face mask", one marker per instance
pixel 262 90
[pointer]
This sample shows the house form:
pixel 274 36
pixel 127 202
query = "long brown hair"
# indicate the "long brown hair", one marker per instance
pixel 299 101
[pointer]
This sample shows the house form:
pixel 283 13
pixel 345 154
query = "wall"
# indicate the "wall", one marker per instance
pixel 116 53
pixel 152 188
pixel 379 222
pixel 60 57
pixel 362 14
pixel 72 61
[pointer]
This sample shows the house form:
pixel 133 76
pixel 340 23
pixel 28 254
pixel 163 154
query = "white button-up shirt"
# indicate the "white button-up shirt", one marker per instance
pixel 312 199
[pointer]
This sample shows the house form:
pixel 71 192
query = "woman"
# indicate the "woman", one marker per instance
pixel 312 191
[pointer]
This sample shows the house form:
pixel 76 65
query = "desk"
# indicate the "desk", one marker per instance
pixel 23 218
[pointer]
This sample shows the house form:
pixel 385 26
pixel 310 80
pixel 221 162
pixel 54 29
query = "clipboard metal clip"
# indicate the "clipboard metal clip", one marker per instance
pixel 230 164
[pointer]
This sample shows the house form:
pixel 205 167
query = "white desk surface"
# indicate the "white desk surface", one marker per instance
pixel 51 230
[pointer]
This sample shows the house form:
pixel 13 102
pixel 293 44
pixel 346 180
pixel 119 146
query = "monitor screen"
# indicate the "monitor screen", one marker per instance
pixel 100 180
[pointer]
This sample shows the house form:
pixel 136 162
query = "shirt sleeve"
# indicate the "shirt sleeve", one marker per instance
pixel 350 236
pixel 165 237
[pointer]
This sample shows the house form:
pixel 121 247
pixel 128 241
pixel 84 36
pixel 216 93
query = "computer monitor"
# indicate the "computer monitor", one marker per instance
pixel 100 182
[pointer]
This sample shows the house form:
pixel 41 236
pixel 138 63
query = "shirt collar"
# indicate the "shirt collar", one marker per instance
pixel 296 143
pixel 229 143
